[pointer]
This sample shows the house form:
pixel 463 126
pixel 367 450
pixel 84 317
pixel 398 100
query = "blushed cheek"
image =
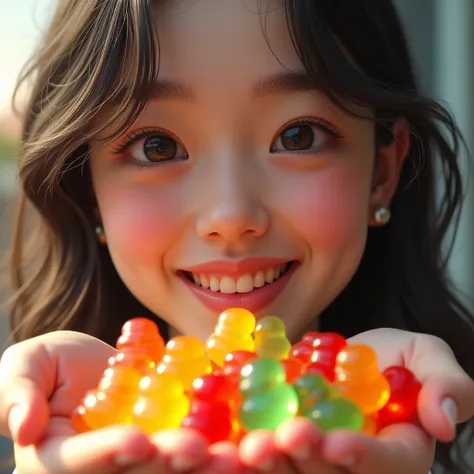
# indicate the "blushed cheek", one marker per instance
pixel 330 211
pixel 141 225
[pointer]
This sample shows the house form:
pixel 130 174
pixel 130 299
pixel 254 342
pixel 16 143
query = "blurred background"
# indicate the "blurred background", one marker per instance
pixel 442 38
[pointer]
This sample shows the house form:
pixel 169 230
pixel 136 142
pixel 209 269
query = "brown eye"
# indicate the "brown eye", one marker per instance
pixel 304 136
pixel 154 148
pixel 160 148
pixel 297 138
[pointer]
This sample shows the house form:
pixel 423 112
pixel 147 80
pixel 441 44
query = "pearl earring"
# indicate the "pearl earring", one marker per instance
pixel 99 232
pixel 382 215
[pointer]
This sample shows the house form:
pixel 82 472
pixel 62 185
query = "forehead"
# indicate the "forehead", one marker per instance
pixel 224 40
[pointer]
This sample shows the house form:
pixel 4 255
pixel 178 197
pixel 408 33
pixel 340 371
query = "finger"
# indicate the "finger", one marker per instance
pixel 300 440
pixel 398 448
pixel 447 394
pixel 36 373
pixel 257 452
pixel 103 451
pixel 181 450
pixel 24 410
pixel 223 459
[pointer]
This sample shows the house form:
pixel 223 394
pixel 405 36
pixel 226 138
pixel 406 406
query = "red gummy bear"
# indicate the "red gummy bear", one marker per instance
pixel 402 404
pixel 325 347
pixel 210 412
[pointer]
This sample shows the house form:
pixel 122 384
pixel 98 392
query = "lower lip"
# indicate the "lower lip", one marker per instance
pixel 254 301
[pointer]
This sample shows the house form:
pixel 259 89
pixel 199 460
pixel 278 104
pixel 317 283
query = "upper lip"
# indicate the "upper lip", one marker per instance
pixel 236 267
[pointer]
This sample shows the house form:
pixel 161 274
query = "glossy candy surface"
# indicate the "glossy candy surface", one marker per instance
pixel 267 399
pixel 113 401
pixel 255 380
pixel 161 404
pixel 325 349
pixel 210 412
pixel 359 380
pixel 270 339
pixel 186 357
pixel 402 404
pixel 335 413
pixel 311 389
pixel 233 333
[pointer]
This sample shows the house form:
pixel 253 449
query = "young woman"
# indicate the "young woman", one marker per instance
pixel 184 157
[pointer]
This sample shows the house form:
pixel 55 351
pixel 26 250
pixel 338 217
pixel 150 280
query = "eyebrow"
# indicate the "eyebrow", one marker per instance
pixel 272 85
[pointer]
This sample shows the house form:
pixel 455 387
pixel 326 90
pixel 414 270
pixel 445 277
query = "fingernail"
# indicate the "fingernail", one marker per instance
pixel 302 452
pixel 16 418
pixel 451 411
pixel 183 463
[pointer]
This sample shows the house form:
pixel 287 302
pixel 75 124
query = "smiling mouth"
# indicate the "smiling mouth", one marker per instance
pixel 245 283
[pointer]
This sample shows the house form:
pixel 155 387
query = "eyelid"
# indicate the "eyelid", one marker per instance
pixel 322 123
pixel 131 137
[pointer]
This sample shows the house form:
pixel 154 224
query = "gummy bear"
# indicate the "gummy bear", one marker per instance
pixel 268 399
pixel 336 413
pixel 162 403
pixel 210 412
pixel 293 369
pixel 270 339
pixel 303 349
pixel 77 415
pixel 186 357
pixel 140 345
pixel 359 380
pixel 113 401
pixel 322 361
pixel 233 332
pixel 402 405
pixel 312 388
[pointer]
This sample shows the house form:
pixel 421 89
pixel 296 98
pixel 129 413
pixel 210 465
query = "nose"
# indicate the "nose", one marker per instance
pixel 234 212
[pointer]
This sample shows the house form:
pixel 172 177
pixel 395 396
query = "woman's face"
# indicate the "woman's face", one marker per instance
pixel 239 185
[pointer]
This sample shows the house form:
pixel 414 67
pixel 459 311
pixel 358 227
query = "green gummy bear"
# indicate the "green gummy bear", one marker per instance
pixel 261 374
pixel 312 388
pixel 337 413
pixel 268 408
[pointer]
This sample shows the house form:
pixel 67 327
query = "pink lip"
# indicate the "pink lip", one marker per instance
pixel 254 301
pixel 221 268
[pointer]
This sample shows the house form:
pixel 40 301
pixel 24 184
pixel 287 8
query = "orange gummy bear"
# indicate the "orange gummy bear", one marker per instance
pixel 358 378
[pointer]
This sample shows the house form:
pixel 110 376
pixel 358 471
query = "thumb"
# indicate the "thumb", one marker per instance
pixel 26 384
pixel 447 394
pixel 26 413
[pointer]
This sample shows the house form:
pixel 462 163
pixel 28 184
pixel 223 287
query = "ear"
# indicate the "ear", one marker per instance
pixel 388 167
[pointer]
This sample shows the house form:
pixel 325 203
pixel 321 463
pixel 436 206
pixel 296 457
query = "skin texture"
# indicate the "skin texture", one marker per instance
pixel 46 377
pixel 237 194
pixel 313 206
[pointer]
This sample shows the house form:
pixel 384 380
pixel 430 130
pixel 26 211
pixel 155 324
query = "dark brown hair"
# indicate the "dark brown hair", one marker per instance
pixel 63 279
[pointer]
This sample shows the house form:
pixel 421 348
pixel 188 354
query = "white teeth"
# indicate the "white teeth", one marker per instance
pixel 259 280
pixel 243 284
pixel 227 285
pixel 204 281
pixel 270 275
pixel 215 284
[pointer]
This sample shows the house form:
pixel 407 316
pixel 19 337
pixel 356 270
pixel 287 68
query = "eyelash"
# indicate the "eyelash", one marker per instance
pixel 324 125
pixel 132 137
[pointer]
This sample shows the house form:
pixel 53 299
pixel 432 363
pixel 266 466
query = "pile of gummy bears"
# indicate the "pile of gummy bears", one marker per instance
pixel 246 376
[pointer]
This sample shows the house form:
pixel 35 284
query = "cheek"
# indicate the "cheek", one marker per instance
pixel 140 224
pixel 328 210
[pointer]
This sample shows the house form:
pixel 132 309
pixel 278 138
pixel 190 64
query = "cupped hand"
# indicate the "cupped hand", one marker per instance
pixel 42 380
pixel 297 447
pixel 447 394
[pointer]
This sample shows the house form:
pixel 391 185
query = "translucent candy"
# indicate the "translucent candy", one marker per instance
pixel 233 332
